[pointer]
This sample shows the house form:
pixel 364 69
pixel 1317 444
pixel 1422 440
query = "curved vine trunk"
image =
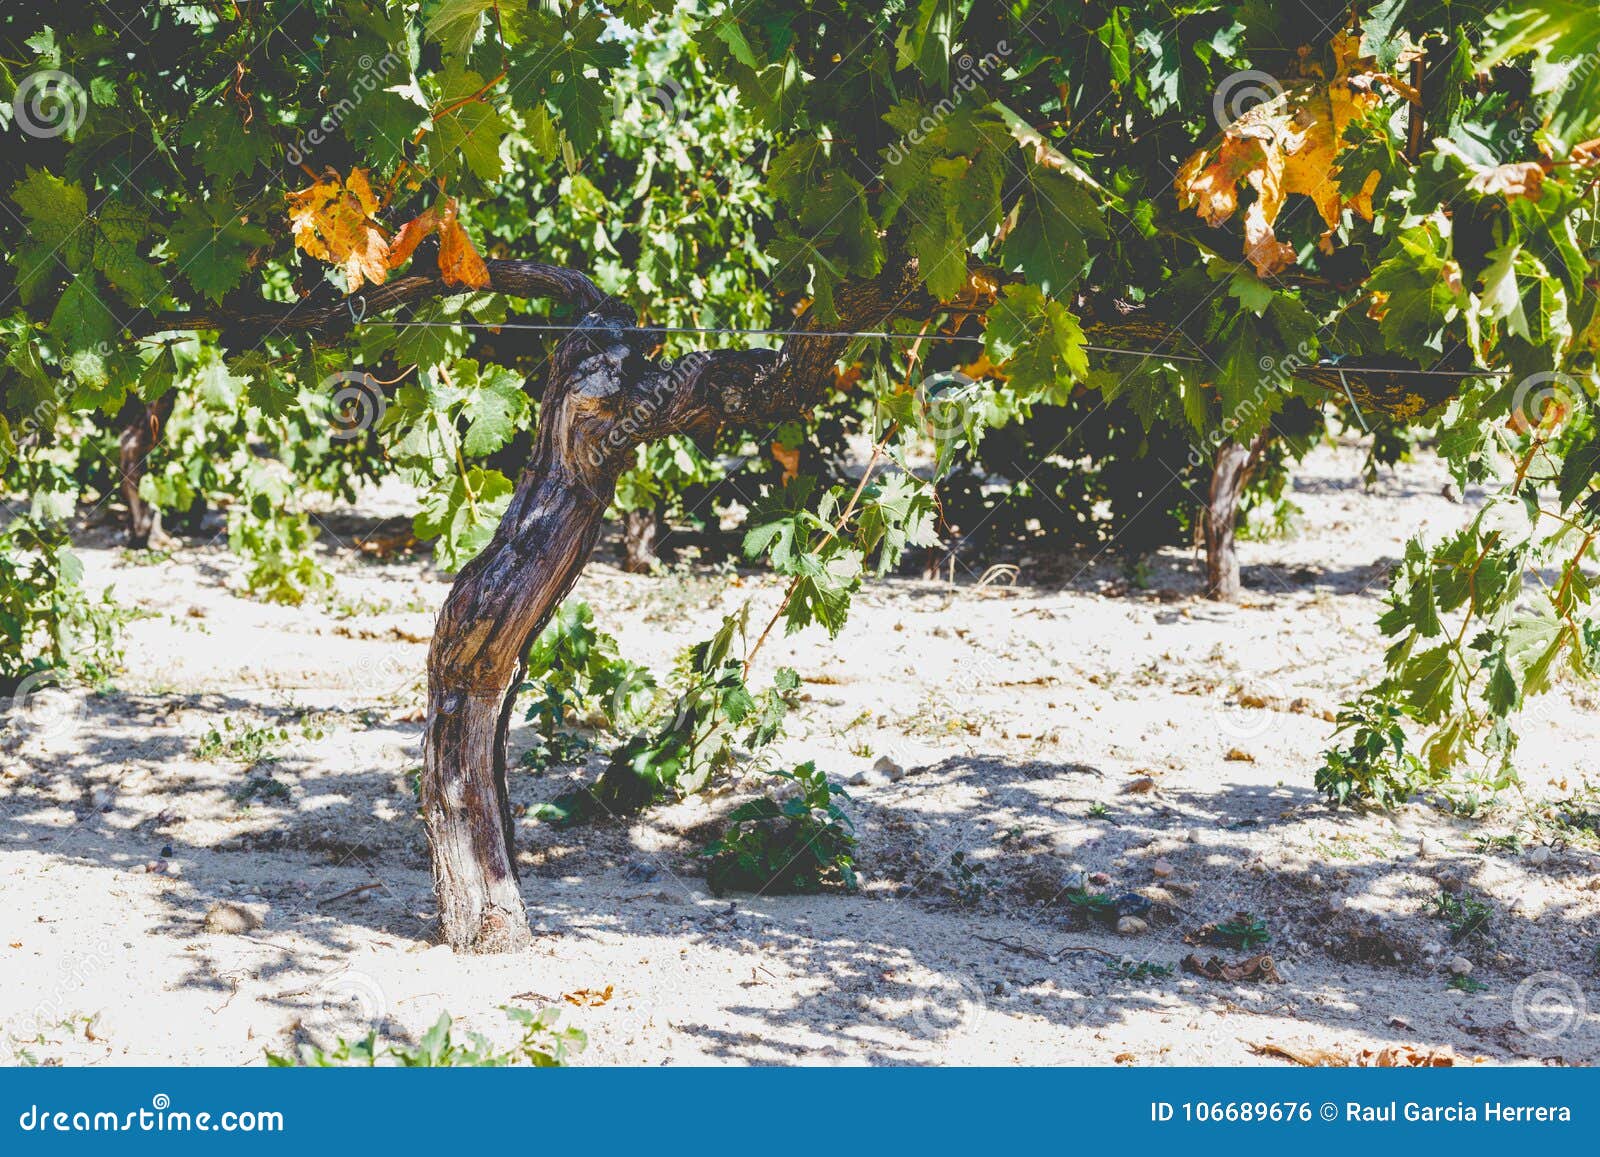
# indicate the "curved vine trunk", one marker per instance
pixel 499 602
pixel 603 397
pixel 140 434
pixel 497 605
pixel 1230 473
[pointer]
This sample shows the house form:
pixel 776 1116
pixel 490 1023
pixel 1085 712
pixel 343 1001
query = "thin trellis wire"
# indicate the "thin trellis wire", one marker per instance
pixel 551 327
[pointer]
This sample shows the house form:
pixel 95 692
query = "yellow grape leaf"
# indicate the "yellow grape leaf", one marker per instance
pixel 459 262
pixel 333 222
pixel 1287 145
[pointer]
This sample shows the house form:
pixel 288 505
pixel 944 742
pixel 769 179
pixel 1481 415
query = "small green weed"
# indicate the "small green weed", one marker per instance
pixel 241 742
pixel 1375 765
pixel 543 1045
pixel 804 844
pixel 965 879
pixel 1136 970
pixel 1487 845
pixel 1242 931
pixel 1464 914
pixel 262 789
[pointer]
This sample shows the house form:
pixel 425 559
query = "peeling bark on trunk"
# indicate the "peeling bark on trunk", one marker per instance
pixel 1230 473
pixel 140 434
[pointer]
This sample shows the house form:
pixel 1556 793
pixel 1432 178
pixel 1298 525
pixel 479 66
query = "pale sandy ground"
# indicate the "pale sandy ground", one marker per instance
pixel 1021 715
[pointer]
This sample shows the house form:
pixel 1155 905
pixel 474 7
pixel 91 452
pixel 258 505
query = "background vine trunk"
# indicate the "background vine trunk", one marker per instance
pixel 1230 473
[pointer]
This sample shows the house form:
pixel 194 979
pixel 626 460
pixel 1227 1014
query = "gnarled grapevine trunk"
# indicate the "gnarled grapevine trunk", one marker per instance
pixel 1230 473
pixel 603 397
pixel 501 599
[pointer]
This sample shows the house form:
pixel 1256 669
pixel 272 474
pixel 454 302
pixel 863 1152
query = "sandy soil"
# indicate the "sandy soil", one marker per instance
pixel 1028 719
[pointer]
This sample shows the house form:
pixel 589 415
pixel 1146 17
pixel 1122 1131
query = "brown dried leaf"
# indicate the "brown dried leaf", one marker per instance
pixel 410 236
pixel 587 997
pixel 1388 1057
pixel 1288 145
pixel 1310 1057
pixel 1261 246
pixel 788 459
pixel 459 263
pixel 1257 967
